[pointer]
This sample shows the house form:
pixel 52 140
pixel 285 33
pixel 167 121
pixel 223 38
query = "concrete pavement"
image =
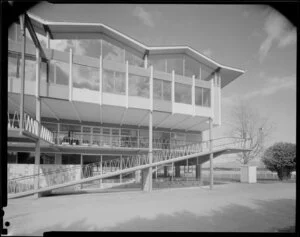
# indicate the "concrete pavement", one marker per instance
pixel 261 207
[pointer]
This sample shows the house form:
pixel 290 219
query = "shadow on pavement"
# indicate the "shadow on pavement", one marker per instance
pixel 269 216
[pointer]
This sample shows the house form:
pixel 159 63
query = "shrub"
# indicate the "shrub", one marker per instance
pixel 281 158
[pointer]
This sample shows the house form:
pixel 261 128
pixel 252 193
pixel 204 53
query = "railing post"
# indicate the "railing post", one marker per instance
pixel 38 119
pixel 211 153
pixel 121 168
pixel 23 32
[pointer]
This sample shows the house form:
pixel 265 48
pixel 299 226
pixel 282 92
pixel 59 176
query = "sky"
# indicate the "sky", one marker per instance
pixel 254 38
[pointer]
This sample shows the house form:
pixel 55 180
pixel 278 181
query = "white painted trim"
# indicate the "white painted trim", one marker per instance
pixel 193 95
pixel 212 99
pixel 70 75
pixel 37 75
pixel 100 79
pixel 146 61
pixel 151 88
pixel 127 84
pixel 173 91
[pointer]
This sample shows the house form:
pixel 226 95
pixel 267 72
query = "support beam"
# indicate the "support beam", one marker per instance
pixel 211 154
pixel 127 84
pixel 121 168
pixel 38 119
pixel 193 95
pixel 70 75
pixel 33 35
pixel 81 171
pixel 23 33
pixel 123 116
pixel 101 172
pixel 173 90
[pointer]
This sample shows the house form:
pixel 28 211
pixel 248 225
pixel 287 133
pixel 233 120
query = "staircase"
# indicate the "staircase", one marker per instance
pixel 24 186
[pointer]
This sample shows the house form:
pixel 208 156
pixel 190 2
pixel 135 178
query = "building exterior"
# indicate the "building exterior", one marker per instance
pixel 101 95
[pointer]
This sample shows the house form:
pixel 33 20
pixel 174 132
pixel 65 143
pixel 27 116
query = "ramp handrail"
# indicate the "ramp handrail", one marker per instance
pixel 48 179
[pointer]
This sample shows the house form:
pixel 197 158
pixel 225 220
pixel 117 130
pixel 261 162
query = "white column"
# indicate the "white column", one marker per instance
pixel 127 84
pixel 211 154
pixel 101 172
pixel 219 91
pixel 81 171
pixel 23 32
pixel 193 95
pixel 100 79
pixel 173 90
pixel 121 168
pixel 38 119
pixel 212 100
pixel 70 75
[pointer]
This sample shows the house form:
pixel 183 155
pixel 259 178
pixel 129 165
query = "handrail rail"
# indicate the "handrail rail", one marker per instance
pixel 30 125
pixel 162 151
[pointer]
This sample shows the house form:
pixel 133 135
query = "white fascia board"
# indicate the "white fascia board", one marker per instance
pixel 185 49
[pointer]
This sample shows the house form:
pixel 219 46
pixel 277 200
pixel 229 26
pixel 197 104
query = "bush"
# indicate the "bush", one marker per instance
pixel 281 158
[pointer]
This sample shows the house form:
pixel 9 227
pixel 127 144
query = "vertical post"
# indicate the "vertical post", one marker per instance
pixel 23 32
pixel 70 75
pixel 146 61
pixel 101 172
pixel 81 171
pixel 172 170
pixel 193 95
pixel 219 92
pixel 173 90
pixel 121 168
pixel 156 173
pixel 38 119
pixel 100 79
pixel 211 154
pixel 127 84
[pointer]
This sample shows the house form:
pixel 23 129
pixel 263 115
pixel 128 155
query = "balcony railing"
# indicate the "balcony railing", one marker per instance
pixel 30 125
pixel 113 141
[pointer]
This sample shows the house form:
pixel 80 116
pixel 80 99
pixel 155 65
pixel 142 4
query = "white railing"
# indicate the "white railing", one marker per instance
pixel 115 165
pixel 29 125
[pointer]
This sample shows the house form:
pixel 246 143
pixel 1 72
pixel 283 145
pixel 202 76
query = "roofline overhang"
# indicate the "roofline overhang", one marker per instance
pixel 43 25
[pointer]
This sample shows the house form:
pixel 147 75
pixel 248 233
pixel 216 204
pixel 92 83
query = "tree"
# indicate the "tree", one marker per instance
pixel 246 123
pixel 281 158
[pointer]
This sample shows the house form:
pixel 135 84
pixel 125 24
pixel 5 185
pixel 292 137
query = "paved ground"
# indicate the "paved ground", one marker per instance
pixel 261 207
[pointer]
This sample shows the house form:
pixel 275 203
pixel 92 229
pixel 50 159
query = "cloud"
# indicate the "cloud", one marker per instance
pixel 207 52
pixel 144 16
pixel 270 86
pixel 279 31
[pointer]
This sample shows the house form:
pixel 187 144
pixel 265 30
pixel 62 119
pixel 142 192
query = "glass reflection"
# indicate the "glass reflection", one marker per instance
pixel 206 97
pixel 138 86
pixel 85 77
pixel 183 93
pixel 113 82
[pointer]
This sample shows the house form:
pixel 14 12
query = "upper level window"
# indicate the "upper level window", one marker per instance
pixel 158 63
pixel 112 52
pixel 175 63
pixel 183 93
pixel 192 67
pixel 133 59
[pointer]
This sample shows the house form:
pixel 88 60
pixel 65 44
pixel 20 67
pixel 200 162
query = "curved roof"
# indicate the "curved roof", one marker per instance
pixel 65 30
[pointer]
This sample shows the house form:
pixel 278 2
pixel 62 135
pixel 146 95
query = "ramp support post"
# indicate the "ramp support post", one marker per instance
pixel 211 154
pixel 38 119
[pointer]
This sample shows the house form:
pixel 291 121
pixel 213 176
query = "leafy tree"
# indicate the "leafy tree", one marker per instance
pixel 246 122
pixel 281 158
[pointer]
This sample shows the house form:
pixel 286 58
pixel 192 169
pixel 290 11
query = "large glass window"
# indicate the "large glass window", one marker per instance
pixel 133 59
pixel 64 45
pixel 161 90
pixel 199 96
pixel 85 77
pixel 206 97
pixel 183 93
pixel 175 64
pixel 113 82
pixel 144 138
pixel 13 66
pixel 159 64
pixel 70 159
pixel 138 86
pixel 12 34
pixel 59 72
pixel 193 138
pixel 87 47
pixel 192 67
pixel 112 52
